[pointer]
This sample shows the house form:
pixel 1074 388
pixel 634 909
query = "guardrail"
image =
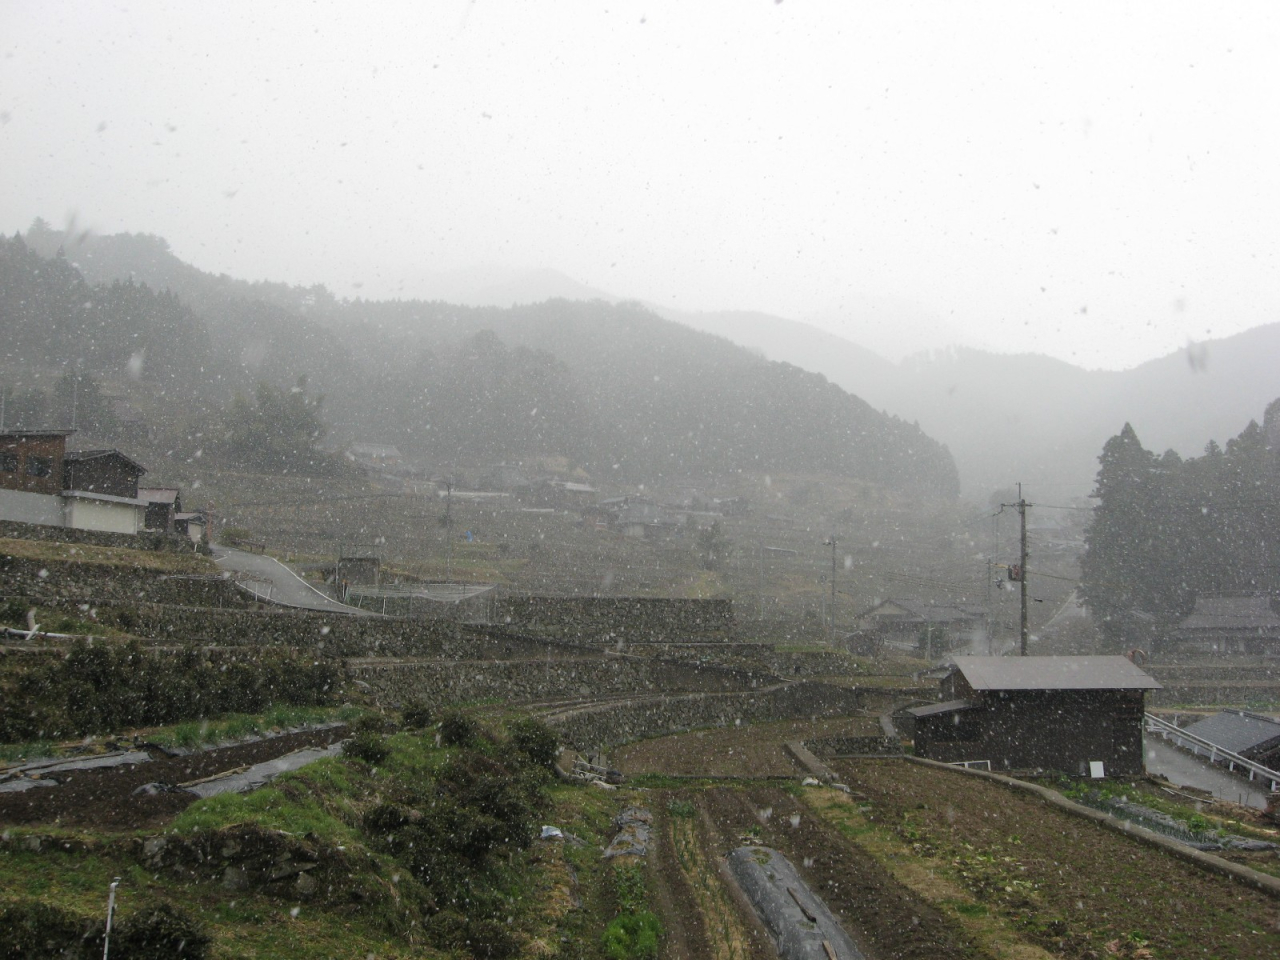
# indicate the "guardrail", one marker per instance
pixel 1215 753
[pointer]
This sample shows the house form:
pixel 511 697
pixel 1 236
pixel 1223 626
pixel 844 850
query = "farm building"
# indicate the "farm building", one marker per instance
pixel 1037 713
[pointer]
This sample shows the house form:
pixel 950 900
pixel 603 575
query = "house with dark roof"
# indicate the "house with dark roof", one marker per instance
pixel 931 628
pixel 1245 625
pixel 1061 714
pixel 1249 735
pixel 43 483
pixel 107 472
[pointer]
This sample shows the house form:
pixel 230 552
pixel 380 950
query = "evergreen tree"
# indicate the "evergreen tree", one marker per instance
pixel 1121 578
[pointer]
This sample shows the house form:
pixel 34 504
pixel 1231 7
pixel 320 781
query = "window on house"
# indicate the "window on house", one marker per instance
pixel 8 462
pixel 39 466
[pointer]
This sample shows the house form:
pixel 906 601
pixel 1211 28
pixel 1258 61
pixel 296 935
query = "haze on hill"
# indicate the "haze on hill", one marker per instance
pixel 1094 183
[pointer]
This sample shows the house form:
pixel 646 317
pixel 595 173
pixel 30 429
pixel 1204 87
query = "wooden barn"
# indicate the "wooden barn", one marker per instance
pixel 1060 714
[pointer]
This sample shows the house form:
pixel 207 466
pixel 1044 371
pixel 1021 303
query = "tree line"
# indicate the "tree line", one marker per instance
pixel 1167 530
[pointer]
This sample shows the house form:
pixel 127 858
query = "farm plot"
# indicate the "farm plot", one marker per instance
pixel 754 750
pixel 1068 885
pixel 701 827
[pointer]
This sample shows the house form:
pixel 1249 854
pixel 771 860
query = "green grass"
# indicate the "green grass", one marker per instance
pixel 237 726
pixel 14 752
pixel 272 807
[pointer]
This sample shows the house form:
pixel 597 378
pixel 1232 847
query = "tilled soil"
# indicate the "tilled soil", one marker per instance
pixel 104 799
pixel 887 920
pixel 1075 887
pixel 754 750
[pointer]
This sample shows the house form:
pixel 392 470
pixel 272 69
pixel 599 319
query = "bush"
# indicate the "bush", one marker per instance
pixel 417 716
pixel 368 747
pixel 160 933
pixel 373 723
pixel 458 730
pixel 30 929
pixel 491 940
pixel 535 741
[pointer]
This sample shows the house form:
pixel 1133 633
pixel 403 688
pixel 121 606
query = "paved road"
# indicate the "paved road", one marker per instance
pixel 270 580
pixel 1182 768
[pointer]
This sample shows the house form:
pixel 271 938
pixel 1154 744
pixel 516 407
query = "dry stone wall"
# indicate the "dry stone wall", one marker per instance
pixel 443 683
pixel 97 583
pixel 607 620
pixel 607 725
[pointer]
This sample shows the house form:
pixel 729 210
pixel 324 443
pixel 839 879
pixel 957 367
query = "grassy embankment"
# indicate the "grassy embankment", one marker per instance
pixel 426 851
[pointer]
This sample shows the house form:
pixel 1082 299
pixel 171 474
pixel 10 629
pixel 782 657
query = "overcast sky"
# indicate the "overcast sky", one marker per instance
pixel 1096 181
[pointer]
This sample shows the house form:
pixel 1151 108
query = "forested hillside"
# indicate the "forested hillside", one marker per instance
pixel 614 389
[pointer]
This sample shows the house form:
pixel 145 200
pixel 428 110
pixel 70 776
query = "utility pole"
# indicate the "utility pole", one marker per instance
pixel 1021 578
pixel 1022 564
pixel 990 641
pixel 831 621
pixel 448 528
pixel 760 579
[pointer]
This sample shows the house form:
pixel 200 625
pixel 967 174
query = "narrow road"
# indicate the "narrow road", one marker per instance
pixel 1182 768
pixel 270 580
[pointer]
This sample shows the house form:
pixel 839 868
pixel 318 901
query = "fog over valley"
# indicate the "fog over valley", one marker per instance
pixel 753 480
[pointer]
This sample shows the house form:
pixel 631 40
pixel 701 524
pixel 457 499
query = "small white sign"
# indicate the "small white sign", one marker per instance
pixel 1096 771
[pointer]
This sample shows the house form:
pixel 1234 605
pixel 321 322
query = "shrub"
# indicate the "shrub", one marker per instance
pixel 160 933
pixel 373 723
pixel 417 716
pixel 458 730
pixel 491 940
pixel 368 747
pixel 30 928
pixel 535 741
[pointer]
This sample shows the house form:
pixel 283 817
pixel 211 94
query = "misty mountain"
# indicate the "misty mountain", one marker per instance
pixel 611 387
pixel 1027 417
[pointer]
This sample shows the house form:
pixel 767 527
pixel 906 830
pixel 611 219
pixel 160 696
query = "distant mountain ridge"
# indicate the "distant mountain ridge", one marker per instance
pixel 611 387
pixel 1030 418
pixel 1005 418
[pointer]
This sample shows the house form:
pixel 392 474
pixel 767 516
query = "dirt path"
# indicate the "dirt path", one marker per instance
pixel 104 799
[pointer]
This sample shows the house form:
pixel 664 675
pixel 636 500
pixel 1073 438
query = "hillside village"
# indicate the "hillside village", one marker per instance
pixel 316 687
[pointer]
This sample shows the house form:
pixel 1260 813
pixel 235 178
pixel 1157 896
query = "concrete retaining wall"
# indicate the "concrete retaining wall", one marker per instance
pixel 608 725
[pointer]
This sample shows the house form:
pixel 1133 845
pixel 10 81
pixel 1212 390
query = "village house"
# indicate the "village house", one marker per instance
pixel 1234 625
pixel 43 483
pixel 1073 715
pixel 931 628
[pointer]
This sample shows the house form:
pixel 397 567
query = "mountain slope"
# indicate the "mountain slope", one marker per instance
pixel 612 387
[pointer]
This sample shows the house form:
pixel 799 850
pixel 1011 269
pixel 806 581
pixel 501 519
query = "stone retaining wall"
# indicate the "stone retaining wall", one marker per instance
pixel 441 683
pixel 831 747
pixel 610 619
pixel 98 583
pixel 147 540
pixel 609 725
pixel 333 634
